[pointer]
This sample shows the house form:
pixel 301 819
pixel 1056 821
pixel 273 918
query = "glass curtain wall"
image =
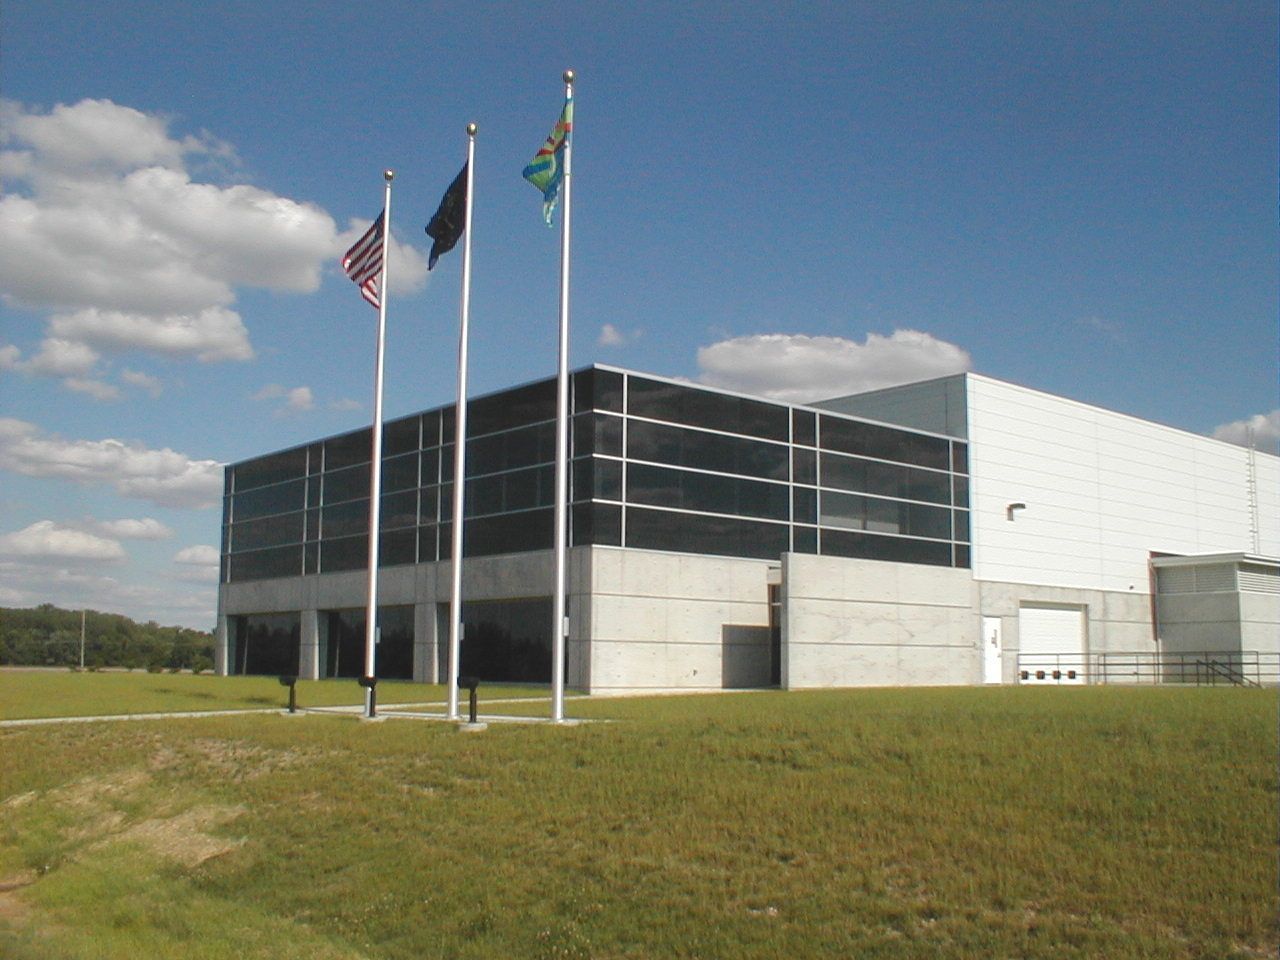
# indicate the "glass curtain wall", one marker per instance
pixel 656 465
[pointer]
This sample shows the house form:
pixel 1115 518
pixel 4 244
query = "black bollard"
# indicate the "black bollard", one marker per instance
pixel 292 684
pixel 470 684
pixel 371 684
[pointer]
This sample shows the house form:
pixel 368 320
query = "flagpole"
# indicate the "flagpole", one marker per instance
pixel 375 471
pixel 459 441
pixel 559 626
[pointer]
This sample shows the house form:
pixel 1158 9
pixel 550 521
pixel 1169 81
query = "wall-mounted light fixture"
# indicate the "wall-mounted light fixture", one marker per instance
pixel 1012 508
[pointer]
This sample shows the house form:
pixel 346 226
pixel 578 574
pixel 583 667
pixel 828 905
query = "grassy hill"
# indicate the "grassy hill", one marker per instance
pixel 1011 822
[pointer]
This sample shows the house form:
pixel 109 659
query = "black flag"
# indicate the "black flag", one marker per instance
pixel 449 220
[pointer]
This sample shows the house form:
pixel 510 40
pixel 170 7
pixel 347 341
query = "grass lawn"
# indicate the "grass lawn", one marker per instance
pixel 961 823
pixel 26 694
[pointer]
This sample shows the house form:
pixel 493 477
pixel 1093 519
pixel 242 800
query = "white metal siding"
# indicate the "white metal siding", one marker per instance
pixel 1103 491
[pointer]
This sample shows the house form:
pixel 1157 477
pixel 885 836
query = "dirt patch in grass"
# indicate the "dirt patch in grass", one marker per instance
pixel 186 838
pixel 12 907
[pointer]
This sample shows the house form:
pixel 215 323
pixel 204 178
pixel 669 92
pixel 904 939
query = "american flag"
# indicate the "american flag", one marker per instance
pixel 363 262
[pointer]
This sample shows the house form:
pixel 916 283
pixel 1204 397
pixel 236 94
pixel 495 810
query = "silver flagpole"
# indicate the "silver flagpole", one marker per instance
pixel 559 625
pixel 375 472
pixel 459 441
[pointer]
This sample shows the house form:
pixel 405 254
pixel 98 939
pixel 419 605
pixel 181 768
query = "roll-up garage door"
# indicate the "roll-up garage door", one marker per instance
pixel 1051 644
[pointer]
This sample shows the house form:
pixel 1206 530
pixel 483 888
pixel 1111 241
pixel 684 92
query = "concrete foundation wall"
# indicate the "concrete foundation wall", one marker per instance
pixel 870 623
pixel 1195 622
pixel 665 621
pixel 1115 621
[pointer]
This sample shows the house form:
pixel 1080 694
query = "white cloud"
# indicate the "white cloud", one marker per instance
pixel 10 357
pixel 136 378
pixel 345 404
pixel 1265 428
pixel 798 368
pixel 610 336
pixel 201 555
pixel 130 252
pixel 143 528
pixel 164 477
pixel 299 400
pixel 62 358
pixel 296 399
pixel 211 334
pixel 46 540
pixel 94 388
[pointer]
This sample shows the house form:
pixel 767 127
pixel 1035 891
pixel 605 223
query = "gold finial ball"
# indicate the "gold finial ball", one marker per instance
pixel 471 129
pixel 388 175
pixel 568 76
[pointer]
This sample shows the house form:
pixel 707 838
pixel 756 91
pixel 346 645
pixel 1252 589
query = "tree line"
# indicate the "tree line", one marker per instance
pixel 48 636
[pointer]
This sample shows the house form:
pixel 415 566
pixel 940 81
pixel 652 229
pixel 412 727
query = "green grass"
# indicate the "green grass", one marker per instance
pixel 1093 822
pixel 28 694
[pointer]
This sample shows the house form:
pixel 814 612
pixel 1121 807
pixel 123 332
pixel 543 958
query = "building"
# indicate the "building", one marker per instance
pixel 956 531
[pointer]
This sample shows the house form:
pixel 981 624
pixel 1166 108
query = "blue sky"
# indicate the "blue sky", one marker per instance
pixel 794 200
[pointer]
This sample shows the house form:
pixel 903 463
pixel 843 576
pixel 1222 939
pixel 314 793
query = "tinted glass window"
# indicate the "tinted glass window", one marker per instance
pixel 428 504
pixel 885 443
pixel 960 495
pixel 962 524
pixel 685 490
pixel 265 564
pixel 708 451
pixel 427 543
pixel 507 640
pixel 804 466
pixel 512 408
pixel 805 540
pixel 805 505
pixel 961 554
pixel 267 532
pixel 313 491
pixel 344 519
pixel 599 523
pixel 597 479
pixel 885 479
pixel 598 434
pixel 400 473
pixel 394 548
pixel 347 450
pixel 398 510
pixel 597 389
pixel 511 450
pixel 959 457
pixel 281 498
pixel 430 429
pixel 505 492
pixel 311 558
pixel 399 436
pixel 693 533
pixel 804 427
pixel 273 469
pixel 507 533
pixel 700 408
pixel 346 484
pixel 853 512
pixel 348 553
pixel 312 531
pixel 844 543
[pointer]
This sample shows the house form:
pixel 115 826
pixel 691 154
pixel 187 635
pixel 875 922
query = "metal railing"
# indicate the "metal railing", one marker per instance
pixel 1248 668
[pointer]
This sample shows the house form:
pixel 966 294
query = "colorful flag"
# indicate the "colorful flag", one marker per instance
pixel 546 170
pixel 450 218
pixel 363 262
